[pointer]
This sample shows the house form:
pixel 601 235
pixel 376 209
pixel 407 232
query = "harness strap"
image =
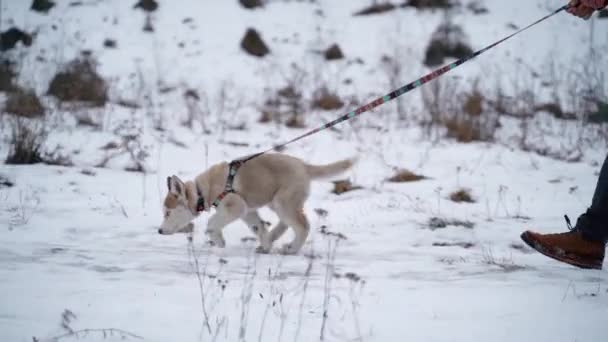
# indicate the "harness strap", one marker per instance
pixel 233 167
pixel 200 203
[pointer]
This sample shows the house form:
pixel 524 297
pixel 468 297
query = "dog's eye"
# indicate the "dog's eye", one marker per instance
pixel 167 214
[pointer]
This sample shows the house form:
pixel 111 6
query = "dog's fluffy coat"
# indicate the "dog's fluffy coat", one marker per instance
pixel 278 181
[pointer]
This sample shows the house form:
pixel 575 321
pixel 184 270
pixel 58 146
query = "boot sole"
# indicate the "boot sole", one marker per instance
pixel 594 265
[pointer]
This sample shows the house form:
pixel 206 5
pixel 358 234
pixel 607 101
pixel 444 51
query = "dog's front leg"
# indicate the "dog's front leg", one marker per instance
pixel 230 209
pixel 258 227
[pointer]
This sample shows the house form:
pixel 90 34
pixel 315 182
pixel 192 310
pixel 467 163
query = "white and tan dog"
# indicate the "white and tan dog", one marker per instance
pixel 275 180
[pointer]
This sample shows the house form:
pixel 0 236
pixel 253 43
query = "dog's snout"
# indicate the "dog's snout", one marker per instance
pixel 160 230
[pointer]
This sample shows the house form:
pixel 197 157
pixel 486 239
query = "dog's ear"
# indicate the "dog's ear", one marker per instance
pixel 176 186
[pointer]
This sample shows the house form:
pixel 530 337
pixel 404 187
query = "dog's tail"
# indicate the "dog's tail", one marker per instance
pixel 328 170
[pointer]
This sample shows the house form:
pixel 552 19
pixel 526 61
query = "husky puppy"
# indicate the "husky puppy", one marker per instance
pixel 278 181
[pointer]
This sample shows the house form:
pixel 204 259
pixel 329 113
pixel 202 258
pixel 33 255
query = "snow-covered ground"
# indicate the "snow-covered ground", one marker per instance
pixel 84 238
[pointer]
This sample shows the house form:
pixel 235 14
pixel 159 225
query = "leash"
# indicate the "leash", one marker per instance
pixel 236 164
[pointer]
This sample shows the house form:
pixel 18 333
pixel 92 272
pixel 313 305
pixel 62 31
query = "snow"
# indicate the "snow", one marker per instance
pixel 88 243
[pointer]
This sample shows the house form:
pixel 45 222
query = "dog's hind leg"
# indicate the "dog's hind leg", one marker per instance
pixel 230 209
pixel 295 218
pixel 258 227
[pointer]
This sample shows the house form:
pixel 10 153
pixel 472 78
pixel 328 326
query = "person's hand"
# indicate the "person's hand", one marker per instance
pixel 585 8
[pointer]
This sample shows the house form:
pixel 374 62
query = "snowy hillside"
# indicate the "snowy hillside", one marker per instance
pixel 516 130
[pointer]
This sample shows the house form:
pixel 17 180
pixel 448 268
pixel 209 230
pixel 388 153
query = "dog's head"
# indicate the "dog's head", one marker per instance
pixel 176 208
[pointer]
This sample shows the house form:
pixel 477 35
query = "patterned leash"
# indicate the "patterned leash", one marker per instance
pixel 236 164
pixel 405 89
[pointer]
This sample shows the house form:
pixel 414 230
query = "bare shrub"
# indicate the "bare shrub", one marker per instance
pixel 287 105
pixel 26 142
pixel 22 212
pixel 438 98
pixel 441 223
pixel 504 264
pixel 195 103
pixel 80 82
pixel 342 186
pixel 393 69
pixel 57 157
pixel 24 103
pixel 291 97
pixel 131 145
pixel 462 195
pixel 462 114
pixel 405 175
pixel 324 99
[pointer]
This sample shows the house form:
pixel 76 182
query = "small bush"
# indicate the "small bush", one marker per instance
pixel 376 9
pixel 342 186
pixel 462 195
pixel 473 104
pixel 79 82
pixel 24 103
pixel 326 100
pixel 253 44
pixel 463 115
pixel 26 142
pixel 404 175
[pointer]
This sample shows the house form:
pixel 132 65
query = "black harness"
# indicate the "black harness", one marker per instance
pixel 233 167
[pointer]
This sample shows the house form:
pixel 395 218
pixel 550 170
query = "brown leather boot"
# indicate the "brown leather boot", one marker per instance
pixel 569 247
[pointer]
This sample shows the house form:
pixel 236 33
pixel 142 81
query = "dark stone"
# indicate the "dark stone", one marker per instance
pixel 10 38
pixel 333 52
pixel 147 5
pixel 376 9
pixel 42 6
pixel 253 44
pixel 251 4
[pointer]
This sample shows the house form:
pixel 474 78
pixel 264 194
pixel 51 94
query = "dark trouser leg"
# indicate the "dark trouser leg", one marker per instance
pixel 594 223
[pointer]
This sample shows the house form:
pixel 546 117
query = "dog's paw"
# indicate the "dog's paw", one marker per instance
pixel 216 240
pixel 288 249
pixel 262 250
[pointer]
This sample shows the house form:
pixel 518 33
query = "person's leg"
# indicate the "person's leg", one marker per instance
pixel 594 223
